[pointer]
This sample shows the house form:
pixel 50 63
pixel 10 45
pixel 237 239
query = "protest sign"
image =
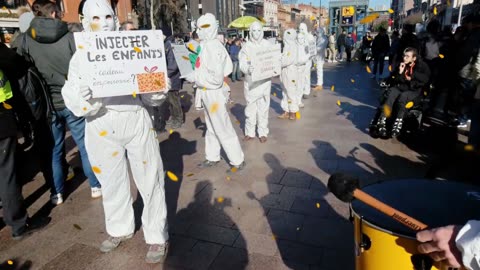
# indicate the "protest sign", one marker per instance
pixel 181 54
pixel 312 47
pixel 122 63
pixel 266 62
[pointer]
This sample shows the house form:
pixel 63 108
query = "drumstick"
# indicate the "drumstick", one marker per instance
pixel 345 188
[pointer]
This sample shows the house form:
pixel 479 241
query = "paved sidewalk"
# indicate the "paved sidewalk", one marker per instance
pixel 266 217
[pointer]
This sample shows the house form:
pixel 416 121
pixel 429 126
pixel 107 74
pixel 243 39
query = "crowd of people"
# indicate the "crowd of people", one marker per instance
pixel 123 124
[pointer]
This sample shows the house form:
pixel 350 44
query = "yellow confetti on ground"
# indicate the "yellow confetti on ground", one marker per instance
pixel 409 105
pixel 390 11
pixel 234 169
pixel 190 174
pixel 274 94
pixel 332 88
pixel 352 80
pixel 368 69
pixel 137 49
pixel 7 106
pixel 435 12
pixel 96 169
pixel 441 56
pixel 84 108
pixel 172 176
pixel 339 103
pixel 114 154
pixel 468 148
pixel 80 47
pixel 220 199
pixel 134 94
pixel 214 107
pixel 390 68
pixel 103 133
pixel 76 226
pixel 34 33
pixel 228 178
pixel 10 262
pixel 387 111
pixel 298 115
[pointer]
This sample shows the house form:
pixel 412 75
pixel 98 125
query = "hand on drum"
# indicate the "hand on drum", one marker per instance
pixel 439 244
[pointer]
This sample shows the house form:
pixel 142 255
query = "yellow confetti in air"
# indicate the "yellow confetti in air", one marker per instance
pixel 96 169
pixel 80 47
pixel 317 205
pixel 220 199
pixel 409 105
pixel 390 11
pixel 435 12
pixel 137 49
pixel 114 154
pixel 134 94
pixel 7 106
pixel 214 107
pixel 103 133
pixel 234 169
pixel 352 80
pixel 390 68
pixel 387 111
pixel 468 148
pixel 172 176
pixel 298 115
pixel 441 56
pixel 170 131
pixel 332 88
pixel 368 69
pixel 34 33
pixel 84 109
pixel 339 103
pixel 274 94
pixel 10 262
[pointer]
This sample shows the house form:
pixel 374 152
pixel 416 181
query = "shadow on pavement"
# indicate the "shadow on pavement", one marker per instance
pixel 14 264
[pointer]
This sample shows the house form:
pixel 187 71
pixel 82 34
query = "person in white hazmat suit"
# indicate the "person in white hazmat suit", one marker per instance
pixel 322 43
pixel 302 28
pixel 257 94
pixel 213 64
pixel 289 75
pixel 119 132
pixel 302 67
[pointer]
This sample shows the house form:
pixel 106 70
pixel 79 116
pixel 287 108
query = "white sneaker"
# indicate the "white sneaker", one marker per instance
pixel 56 199
pixel 96 192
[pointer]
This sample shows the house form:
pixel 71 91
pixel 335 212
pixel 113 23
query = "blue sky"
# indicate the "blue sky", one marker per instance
pixel 373 3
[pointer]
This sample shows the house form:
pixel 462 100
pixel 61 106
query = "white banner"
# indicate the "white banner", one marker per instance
pixel 122 62
pixel 312 47
pixel 266 62
pixel 182 58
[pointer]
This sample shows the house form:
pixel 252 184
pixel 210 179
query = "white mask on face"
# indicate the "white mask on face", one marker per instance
pixel 301 38
pixel 99 16
pixel 256 31
pixel 207 27
pixel 289 36
pixel 303 28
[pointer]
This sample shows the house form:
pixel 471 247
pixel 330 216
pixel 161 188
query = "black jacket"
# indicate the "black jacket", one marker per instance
pixel 381 44
pixel 51 46
pixel 14 67
pixel 420 74
pixel 341 40
pixel 172 67
pixel 407 40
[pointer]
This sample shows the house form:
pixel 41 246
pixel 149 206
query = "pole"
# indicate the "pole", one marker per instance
pixel 151 15
pixel 460 13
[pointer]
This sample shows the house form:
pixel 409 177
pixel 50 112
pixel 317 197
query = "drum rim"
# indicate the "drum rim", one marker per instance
pixel 378 227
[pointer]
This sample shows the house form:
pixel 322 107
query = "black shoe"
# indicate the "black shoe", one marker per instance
pixel 207 164
pixel 238 168
pixel 30 227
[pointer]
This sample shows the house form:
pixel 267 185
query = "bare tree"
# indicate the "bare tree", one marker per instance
pixel 170 12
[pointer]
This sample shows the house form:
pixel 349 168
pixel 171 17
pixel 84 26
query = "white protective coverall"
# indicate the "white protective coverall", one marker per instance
pixel 322 43
pixel 257 94
pixel 468 242
pixel 289 74
pixel 212 66
pixel 302 28
pixel 303 58
pixel 120 129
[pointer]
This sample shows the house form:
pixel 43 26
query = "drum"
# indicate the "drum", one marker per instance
pixel 381 243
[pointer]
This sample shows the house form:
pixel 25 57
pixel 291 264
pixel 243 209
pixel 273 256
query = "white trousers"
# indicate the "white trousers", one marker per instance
pixel 319 61
pixel 114 140
pixel 302 81
pixel 307 82
pixel 289 79
pixel 256 113
pixel 220 132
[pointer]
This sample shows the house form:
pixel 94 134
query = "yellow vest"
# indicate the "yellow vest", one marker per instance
pixel 5 88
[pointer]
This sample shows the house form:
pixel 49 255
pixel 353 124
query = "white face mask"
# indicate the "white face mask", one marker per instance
pixel 301 39
pixel 99 16
pixel 256 32
pixel 207 27
pixel 303 28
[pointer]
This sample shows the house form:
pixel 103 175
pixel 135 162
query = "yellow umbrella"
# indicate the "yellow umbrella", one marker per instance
pixel 243 22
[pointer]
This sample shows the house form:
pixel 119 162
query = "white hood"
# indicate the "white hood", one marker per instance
pixel 207 27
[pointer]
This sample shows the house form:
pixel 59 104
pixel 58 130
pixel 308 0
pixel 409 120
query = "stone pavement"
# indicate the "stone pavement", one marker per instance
pixel 266 217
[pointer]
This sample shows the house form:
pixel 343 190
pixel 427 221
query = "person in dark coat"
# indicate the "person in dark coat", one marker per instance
pixel 380 48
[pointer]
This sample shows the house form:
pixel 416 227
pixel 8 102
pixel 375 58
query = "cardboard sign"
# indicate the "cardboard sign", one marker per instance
pixel 267 62
pixel 183 61
pixel 122 63
pixel 312 47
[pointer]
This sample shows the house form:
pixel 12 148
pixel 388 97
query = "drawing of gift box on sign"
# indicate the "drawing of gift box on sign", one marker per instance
pixel 151 81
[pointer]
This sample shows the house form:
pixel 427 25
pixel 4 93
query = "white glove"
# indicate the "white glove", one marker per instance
pixel 85 92
pixel 190 77
pixel 250 69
